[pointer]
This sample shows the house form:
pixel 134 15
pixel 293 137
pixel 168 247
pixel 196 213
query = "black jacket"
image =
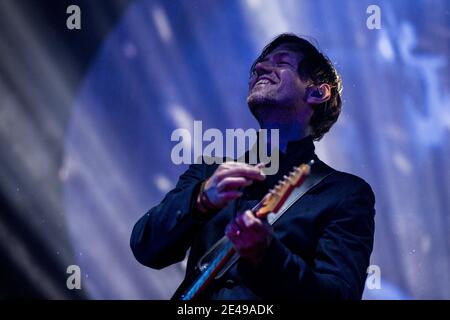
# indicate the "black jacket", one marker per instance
pixel 321 248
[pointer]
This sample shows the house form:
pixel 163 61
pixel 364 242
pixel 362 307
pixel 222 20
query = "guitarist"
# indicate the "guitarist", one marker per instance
pixel 320 248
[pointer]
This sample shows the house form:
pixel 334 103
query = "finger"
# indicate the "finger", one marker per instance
pixel 246 172
pixel 250 220
pixel 230 195
pixel 230 164
pixel 236 164
pixel 243 221
pixel 230 228
pixel 261 165
pixel 232 231
pixel 230 183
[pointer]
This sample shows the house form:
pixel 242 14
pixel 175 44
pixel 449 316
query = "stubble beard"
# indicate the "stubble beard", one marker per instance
pixel 261 103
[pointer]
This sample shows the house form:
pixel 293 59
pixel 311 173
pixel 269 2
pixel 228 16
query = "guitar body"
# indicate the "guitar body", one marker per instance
pixel 184 286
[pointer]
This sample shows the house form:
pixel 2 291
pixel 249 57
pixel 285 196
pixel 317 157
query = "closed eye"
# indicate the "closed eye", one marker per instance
pixel 284 63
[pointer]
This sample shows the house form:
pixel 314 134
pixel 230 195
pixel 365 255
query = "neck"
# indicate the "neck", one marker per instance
pixel 287 132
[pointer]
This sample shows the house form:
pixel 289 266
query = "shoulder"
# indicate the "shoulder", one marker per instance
pixel 345 184
pixel 346 196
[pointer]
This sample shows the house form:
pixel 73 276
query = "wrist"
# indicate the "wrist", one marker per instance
pixel 203 204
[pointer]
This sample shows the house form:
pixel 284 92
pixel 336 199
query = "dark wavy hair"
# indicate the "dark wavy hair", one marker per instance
pixel 316 67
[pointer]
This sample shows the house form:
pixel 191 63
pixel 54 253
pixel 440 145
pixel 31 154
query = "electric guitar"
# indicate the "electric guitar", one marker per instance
pixel 222 255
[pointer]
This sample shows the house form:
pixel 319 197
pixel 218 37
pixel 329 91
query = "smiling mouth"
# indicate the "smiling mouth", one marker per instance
pixel 263 81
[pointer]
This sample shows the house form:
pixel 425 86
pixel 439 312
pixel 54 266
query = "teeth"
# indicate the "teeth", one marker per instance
pixel 263 81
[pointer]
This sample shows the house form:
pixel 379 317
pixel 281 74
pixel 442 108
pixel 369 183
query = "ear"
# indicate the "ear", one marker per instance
pixel 318 94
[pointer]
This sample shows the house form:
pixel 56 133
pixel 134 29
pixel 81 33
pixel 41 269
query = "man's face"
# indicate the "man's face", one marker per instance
pixel 275 85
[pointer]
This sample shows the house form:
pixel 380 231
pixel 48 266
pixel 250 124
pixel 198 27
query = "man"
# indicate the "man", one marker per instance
pixel 320 247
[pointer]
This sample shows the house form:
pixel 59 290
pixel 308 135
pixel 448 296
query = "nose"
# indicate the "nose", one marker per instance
pixel 263 67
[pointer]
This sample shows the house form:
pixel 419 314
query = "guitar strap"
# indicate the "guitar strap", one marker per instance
pixel 319 171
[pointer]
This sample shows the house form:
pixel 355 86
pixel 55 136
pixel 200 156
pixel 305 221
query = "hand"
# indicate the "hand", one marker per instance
pixel 228 180
pixel 250 236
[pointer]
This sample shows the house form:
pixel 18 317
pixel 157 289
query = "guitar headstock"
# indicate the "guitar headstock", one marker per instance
pixel 277 196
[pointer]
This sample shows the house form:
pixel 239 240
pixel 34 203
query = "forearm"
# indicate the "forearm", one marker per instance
pixel 163 235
